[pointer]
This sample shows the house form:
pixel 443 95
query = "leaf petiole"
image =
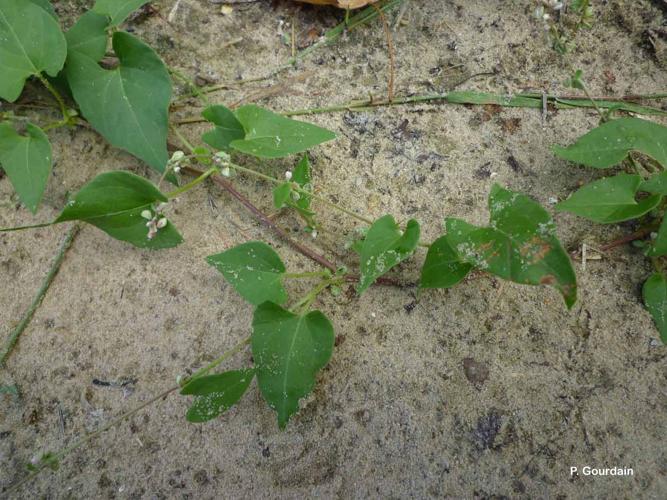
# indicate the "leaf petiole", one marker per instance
pixel 191 184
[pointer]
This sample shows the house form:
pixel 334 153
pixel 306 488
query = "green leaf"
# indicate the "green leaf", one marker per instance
pixel 655 298
pixel 288 351
pixel 47 6
pixel 255 271
pixel 610 200
pixel 303 178
pixel 114 202
pixel 658 247
pixel 117 10
pixel 384 247
pixel 443 267
pixel 27 161
pixel 610 143
pixel 31 42
pixel 656 184
pixel 281 194
pixel 269 135
pixel 227 127
pixel 216 394
pixel 88 36
pixel 520 245
pixel 127 105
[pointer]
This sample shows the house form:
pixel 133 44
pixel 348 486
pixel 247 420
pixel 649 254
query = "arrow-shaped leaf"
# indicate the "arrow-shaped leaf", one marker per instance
pixel 384 247
pixel 115 202
pixel 610 143
pixel 127 105
pixel 520 245
pixel 269 135
pixel 216 394
pixel 255 271
pixel 610 200
pixel 288 351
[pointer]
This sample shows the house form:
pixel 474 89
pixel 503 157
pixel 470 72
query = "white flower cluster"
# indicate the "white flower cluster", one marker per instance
pixel 222 159
pixel 175 161
pixel 542 11
pixel 155 220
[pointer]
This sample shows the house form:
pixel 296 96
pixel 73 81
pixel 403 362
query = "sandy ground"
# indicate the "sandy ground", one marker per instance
pixel 486 390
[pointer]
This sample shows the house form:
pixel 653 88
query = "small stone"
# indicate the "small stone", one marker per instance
pixel 477 373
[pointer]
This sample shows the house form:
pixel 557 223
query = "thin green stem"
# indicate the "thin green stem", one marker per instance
pixel 196 89
pixel 300 190
pixel 304 303
pixel 314 274
pixel 213 364
pixel 183 140
pixel 41 293
pixel 56 457
pixel 191 184
pixel 21 228
pixel 57 96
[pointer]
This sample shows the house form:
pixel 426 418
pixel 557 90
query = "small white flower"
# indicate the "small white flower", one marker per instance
pixel 177 156
pixel 226 172
pixel 288 175
pixel 314 234
pixel 161 223
pixel 177 169
pixel 146 214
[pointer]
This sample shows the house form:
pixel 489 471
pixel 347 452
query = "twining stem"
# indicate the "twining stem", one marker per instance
pixel 196 89
pixel 300 190
pixel 303 304
pixel 183 139
pixel 191 184
pixel 213 364
pixel 27 317
pixel 56 457
pixel 57 96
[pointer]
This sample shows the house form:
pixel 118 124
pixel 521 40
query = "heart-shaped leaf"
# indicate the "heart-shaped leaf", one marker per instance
pixel 88 36
pixel 520 245
pixel 27 161
pixel 288 351
pixel 116 203
pixel 655 298
pixel 610 200
pixel 227 127
pixel 31 42
pixel 443 267
pixel 255 271
pixel 269 135
pixel 117 10
pixel 127 105
pixel 610 143
pixel 384 247
pixel 216 394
